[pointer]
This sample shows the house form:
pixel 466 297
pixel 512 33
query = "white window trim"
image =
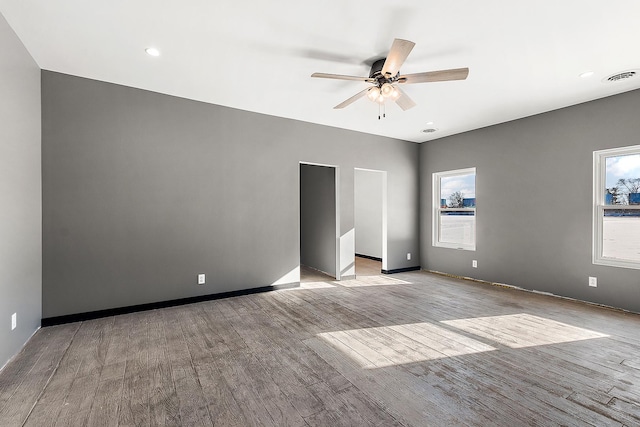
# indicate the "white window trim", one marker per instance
pixel 599 184
pixel 435 223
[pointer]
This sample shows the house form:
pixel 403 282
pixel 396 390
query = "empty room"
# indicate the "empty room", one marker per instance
pixel 385 214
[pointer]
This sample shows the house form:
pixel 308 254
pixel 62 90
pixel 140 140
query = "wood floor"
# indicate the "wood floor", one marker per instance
pixel 410 349
pixel 367 267
pixel 364 267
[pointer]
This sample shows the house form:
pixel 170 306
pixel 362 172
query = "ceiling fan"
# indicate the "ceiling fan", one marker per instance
pixel 385 77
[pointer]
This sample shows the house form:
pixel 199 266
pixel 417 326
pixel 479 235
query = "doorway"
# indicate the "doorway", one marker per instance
pixel 319 222
pixel 370 220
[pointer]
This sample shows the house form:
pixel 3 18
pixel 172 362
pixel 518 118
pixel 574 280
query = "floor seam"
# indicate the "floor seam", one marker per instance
pixel 55 370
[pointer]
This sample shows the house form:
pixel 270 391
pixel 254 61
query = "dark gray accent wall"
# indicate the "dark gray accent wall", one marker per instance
pixel 368 212
pixel 20 194
pixel 534 200
pixel 143 191
pixel 318 218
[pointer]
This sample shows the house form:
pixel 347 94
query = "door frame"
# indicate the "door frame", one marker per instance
pixel 384 211
pixel 337 213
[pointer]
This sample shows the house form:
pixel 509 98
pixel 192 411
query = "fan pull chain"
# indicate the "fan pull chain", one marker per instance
pixel 382 110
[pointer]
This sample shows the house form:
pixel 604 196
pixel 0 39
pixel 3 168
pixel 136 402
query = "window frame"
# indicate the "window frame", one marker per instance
pixel 436 180
pixel 599 206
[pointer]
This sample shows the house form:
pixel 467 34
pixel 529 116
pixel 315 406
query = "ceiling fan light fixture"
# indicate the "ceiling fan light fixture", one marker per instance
pixel 385 73
pixel 387 90
pixel 373 94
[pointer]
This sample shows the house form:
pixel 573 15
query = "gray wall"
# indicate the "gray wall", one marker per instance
pixel 143 191
pixel 368 212
pixel 20 194
pixel 318 218
pixel 534 200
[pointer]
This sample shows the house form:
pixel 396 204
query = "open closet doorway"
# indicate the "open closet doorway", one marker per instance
pixel 319 222
pixel 370 220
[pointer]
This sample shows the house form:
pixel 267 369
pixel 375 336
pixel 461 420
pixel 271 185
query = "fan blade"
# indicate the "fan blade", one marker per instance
pixel 404 101
pixel 435 76
pixel 342 77
pixel 400 49
pixel 353 99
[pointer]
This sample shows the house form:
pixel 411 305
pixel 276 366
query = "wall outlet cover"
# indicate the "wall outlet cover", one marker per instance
pixel 201 279
pixel 408 256
pixel 14 321
pixel 474 263
pixel 593 282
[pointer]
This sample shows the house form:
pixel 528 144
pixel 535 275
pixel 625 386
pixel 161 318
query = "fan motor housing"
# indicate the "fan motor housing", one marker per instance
pixel 376 73
pixel 376 68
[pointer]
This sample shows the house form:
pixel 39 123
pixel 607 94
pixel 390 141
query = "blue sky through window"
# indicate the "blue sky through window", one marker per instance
pixel 466 184
pixel 618 167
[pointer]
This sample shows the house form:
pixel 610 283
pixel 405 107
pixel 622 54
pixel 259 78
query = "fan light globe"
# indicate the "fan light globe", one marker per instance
pixel 373 93
pixel 387 90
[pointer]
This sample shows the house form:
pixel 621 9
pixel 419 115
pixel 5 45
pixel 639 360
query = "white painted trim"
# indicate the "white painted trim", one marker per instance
pixel 599 184
pixel 326 165
pixel 385 213
pixel 337 199
pixel 385 216
pixel 338 234
pixel 436 209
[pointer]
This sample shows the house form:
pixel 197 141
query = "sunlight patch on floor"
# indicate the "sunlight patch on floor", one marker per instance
pixel 371 281
pixel 400 344
pixel 311 285
pixel 523 330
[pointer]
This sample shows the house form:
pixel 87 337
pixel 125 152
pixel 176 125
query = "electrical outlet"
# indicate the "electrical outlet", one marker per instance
pixel 593 282
pixel 201 279
pixel 14 321
pixel 408 256
pixel 474 263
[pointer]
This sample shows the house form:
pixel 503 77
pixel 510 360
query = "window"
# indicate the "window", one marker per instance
pixel 454 209
pixel 616 207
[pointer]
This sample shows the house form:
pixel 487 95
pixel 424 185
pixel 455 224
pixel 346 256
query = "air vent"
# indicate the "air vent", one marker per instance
pixel 429 130
pixel 625 75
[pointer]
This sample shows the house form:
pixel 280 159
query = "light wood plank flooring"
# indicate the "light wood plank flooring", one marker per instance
pixel 411 349
pixel 364 267
pixel 367 267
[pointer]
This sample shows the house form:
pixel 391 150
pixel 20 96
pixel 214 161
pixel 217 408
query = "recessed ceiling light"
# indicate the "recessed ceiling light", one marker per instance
pixel 152 51
pixel 429 123
pixel 586 74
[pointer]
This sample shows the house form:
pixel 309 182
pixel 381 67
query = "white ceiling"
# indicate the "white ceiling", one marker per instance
pixel 524 57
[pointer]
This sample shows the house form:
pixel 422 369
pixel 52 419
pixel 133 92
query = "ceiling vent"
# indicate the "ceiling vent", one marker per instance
pixel 429 130
pixel 625 75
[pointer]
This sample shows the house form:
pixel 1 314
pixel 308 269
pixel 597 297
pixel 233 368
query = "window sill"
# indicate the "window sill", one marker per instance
pixel 455 246
pixel 612 262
